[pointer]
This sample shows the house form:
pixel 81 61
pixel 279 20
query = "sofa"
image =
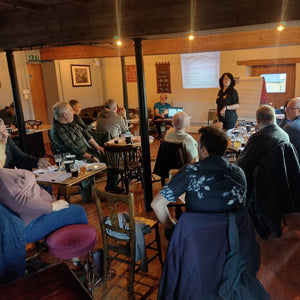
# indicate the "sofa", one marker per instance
pixel 89 114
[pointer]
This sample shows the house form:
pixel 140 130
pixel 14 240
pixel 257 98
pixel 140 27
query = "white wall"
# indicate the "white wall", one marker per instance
pixel 6 96
pixel 87 95
pixel 195 99
pixel 107 80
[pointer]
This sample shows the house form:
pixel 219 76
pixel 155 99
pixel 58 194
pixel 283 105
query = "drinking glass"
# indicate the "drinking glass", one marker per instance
pixel 58 160
pixel 82 167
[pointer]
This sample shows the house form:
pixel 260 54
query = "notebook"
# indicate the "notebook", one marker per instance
pixel 174 110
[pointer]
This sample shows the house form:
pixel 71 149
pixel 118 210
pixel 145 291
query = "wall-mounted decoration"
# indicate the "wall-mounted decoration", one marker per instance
pixel 131 73
pixel 163 77
pixel 81 75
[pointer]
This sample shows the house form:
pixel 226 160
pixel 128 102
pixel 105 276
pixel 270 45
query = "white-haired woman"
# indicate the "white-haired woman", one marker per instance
pixel 177 134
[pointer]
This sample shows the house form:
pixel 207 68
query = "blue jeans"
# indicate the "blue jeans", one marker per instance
pixel 42 226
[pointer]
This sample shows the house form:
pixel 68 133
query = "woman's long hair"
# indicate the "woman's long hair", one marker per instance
pixel 232 84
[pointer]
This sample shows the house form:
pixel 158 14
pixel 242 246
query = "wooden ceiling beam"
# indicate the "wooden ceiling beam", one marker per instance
pixel 215 42
pixel 267 62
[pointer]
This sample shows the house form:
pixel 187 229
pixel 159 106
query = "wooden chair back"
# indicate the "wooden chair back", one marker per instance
pixel 124 160
pixel 116 247
pixel 171 155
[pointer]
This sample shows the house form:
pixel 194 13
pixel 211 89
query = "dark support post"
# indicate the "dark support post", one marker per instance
pixel 17 101
pixel 124 81
pixel 144 132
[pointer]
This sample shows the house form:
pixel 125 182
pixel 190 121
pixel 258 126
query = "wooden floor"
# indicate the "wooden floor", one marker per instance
pixel 280 258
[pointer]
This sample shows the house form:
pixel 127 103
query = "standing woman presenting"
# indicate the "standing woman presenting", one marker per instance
pixel 227 102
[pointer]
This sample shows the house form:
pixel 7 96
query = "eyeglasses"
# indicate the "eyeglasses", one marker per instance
pixel 290 108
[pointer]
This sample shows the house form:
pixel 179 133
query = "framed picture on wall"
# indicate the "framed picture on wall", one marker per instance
pixel 81 75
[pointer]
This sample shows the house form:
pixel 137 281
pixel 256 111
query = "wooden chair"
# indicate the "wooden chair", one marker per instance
pixel 210 115
pixel 124 160
pixel 171 155
pixel 101 137
pixel 170 158
pixel 123 248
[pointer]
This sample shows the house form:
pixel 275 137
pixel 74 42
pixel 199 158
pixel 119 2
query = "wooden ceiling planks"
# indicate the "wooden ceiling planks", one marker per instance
pixel 35 23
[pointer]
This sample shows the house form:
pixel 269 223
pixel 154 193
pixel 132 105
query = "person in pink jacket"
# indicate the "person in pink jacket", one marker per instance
pixel 40 211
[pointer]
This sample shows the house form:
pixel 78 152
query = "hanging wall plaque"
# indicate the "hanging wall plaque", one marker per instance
pixel 130 73
pixel 163 77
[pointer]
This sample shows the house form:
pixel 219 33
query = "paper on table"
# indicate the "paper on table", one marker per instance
pixel 51 169
pixel 54 177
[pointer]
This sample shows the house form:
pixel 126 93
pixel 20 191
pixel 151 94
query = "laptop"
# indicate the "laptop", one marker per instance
pixel 174 110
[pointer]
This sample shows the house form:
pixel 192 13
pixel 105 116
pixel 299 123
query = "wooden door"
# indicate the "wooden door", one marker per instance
pixel 278 99
pixel 38 94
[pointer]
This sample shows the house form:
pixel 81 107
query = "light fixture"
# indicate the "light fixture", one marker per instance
pixel 191 35
pixel 281 26
pixel 118 40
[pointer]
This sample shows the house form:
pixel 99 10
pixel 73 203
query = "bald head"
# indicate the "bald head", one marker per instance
pixel 181 120
pixel 265 115
pixel 293 108
pixel 295 102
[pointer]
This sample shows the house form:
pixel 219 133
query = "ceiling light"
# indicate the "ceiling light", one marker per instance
pixel 119 42
pixel 191 37
pixel 280 27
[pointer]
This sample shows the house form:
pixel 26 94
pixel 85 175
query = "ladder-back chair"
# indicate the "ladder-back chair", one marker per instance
pixel 120 239
pixel 124 160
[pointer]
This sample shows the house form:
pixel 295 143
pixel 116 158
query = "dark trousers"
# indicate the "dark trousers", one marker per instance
pixel 158 124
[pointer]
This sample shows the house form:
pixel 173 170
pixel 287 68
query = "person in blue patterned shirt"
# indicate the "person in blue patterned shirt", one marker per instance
pixel 210 185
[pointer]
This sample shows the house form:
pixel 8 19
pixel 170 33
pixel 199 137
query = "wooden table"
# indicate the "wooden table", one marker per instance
pixel 65 187
pixel 135 141
pixel 55 283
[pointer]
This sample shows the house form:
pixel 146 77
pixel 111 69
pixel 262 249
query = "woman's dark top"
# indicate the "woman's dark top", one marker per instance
pixel 229 97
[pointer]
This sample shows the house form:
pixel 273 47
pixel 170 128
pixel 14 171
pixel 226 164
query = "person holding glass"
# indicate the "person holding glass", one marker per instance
pixel 227 102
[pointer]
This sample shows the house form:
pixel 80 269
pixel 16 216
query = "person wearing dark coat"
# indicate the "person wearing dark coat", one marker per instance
pixel 293 127
pixel 259 144
pixel 15 157
pixel 272 169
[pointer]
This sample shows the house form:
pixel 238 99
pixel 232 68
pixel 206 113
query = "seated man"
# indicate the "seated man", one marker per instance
pixel 210 184
pixel 76 106
pixel 259 144
pixel 15 157
pixel 272 170
pixel 69 137
pixel 41 212
pixel 8 115
pixel 159 109
pixel 293 126
pixel 180 121
pixel 194 266
pixel 109 120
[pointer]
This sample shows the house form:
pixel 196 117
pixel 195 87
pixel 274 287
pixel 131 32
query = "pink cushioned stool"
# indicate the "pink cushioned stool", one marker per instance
pixel 75 241
pixel 72 241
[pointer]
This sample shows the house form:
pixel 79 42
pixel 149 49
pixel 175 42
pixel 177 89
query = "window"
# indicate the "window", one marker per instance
pixel 275 83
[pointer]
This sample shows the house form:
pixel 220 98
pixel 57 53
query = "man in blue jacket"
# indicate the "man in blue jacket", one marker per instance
pixel 293 127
